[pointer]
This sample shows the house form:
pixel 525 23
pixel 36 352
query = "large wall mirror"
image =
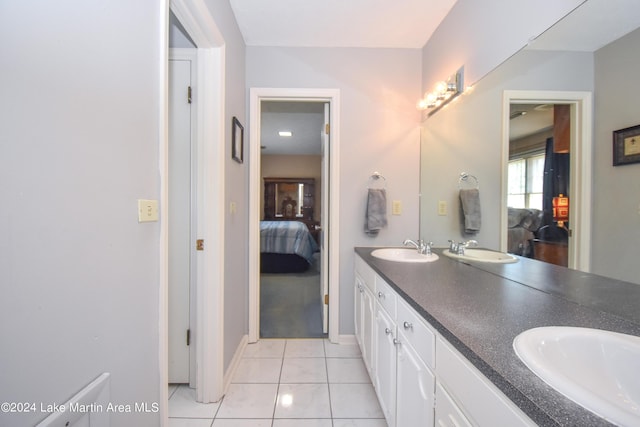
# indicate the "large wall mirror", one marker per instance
pixel 588 64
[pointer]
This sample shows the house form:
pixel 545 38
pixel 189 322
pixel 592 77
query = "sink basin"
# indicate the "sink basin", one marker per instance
pixel 483 255
pixel 403 255
pixel 599 370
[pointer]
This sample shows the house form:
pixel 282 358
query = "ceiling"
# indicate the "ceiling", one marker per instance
pixel 529 119
pixel 339 23
pixel 304 120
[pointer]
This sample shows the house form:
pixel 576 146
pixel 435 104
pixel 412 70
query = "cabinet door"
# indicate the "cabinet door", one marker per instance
pixel 416 388
pixel 385 364
pixel 357 310
pixel 368 323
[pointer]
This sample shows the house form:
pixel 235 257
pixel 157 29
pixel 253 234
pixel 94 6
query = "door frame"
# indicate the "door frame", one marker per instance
pixel 256 96
pixel 580 165
pixel 210 136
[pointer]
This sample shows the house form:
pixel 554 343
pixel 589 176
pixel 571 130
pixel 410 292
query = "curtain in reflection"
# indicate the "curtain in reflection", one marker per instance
pixel 556 179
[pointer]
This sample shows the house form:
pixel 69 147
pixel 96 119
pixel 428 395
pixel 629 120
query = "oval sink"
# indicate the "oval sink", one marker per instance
pixel 483 255
pixel 599 370
pixel 403 255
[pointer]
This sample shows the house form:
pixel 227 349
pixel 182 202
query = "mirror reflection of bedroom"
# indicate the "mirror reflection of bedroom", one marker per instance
pixel 291 171
pixel 538 189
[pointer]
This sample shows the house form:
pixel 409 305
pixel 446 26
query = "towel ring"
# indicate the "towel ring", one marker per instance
pixel 376 177
pixel 465 177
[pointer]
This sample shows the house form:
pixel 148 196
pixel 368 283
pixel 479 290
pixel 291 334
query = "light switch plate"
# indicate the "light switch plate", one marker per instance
pixel 442 208
pixel 147 210
pixel 396 207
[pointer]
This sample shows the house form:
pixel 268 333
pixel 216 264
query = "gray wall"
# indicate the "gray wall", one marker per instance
pixel 236 318
pixel 616 200
pixel 379 131
pixel 467 136
pixel 79 144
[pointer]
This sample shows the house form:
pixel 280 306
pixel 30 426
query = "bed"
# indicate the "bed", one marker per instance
pixel 286 247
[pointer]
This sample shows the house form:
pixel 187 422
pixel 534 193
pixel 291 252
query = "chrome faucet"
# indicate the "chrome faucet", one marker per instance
pixel 422 247
pixel 458 248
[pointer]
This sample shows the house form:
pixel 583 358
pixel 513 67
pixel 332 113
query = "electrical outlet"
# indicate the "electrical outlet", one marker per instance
pixel 442 208
pixel 396 207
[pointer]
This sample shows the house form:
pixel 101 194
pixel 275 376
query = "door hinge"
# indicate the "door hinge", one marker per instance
pixel 326 299
pixel 327 128
pixel 189 94
pixel 188 336
pixel 200 245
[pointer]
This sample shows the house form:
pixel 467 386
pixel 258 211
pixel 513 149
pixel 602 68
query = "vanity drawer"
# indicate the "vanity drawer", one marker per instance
pixel 447 412
pixel 479 398
pixel 416 333
pixel 386 296
pixel 366 273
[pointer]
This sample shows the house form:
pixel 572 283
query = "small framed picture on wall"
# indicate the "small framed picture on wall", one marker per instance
pixel 237 140
pixel 626 146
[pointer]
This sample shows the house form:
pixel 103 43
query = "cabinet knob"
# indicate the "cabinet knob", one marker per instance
pixel 408 325
pixel 380 295
pixel 387 331
pixel 396 341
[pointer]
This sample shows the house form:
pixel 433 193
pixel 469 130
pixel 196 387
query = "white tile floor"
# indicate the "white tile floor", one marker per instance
pixel 287 383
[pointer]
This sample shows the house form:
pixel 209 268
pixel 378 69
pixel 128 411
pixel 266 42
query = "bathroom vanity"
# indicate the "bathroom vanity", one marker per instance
pixel 436 337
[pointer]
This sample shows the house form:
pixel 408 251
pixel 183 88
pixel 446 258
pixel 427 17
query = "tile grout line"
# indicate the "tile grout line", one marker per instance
pixel 326 367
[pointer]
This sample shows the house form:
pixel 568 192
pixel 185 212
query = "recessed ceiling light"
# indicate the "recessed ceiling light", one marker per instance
pixel 285 133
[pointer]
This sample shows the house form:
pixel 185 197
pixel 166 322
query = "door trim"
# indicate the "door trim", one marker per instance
pixel 581 166
pixel 332 96
pixel 210 135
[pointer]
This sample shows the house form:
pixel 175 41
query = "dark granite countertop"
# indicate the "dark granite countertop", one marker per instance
pixel 481 308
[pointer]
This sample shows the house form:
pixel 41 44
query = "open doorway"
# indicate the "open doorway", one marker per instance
pixel 539 181
pixel 547 142
pixel 292 193
pixel 291 144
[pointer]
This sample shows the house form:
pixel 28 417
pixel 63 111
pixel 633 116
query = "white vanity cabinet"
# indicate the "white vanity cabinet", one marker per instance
pixel 420 379
pixel 403 352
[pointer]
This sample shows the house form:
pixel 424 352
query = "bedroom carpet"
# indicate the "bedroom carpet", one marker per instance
pixel 290 305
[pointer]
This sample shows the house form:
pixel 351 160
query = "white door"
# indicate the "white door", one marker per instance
pixel 179 211
pixel 324 222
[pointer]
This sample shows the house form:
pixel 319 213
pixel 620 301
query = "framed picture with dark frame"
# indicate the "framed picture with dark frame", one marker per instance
pixel 237 140
pixel 626 146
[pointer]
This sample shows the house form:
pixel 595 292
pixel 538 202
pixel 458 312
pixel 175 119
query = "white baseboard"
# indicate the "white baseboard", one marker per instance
pixel 233 366
pixel 347 339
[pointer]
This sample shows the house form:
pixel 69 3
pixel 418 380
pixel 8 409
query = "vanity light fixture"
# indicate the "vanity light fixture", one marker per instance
pixel 443 93
pixel 285 133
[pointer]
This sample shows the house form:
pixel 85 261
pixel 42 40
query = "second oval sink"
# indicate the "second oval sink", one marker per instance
pixel 403 255
pixel 483 255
